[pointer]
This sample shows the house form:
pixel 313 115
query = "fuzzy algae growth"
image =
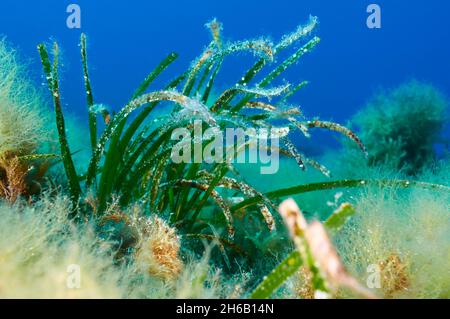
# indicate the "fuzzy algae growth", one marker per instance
pixel 160 229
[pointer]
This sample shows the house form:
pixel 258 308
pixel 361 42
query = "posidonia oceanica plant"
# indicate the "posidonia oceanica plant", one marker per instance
pixel 131 158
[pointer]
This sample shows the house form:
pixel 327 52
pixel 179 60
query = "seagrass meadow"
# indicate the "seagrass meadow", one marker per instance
pixel 114 216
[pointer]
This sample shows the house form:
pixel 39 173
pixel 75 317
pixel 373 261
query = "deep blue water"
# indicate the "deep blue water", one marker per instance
pixel 128 38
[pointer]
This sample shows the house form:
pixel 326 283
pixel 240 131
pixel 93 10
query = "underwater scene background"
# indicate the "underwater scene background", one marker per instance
pixel 94 204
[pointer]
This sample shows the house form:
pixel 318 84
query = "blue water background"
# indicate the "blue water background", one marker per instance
pixel 128 38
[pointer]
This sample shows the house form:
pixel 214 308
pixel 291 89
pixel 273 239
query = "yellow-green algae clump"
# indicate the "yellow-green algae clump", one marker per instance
pixel 22 128
pixel 22 122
